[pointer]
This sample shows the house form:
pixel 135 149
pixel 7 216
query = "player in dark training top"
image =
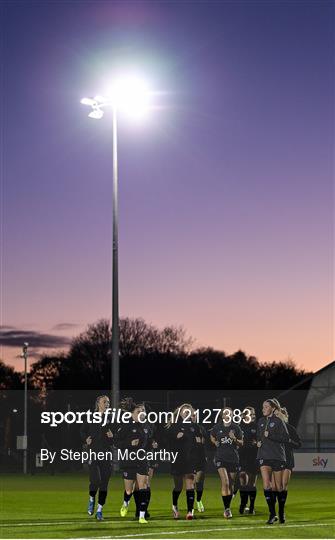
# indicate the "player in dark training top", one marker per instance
pixel 272 435
pixel 182 433
pixel 293 443
pixel 99 438
pixel 152 466
pixel 200 463
pixel 227 437
pixel 134 436
pixel 248 461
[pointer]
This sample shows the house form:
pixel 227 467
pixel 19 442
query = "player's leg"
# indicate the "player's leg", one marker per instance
pixel 281 493
pixel 225 491
pixel 252 491
pixel 286 478
pixel 178 488
pixel 105 473
pixel 189 485
pixel 266 472
pixel 243 479
pixel 142 482
pixel 94 479
pixel 199 486
pixel 149 479
pixel 128 491
pixel 136 500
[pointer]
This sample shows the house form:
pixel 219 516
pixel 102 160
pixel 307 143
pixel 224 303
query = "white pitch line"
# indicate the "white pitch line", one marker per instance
pixel 197 531
pixel 39 524
pixel 89 521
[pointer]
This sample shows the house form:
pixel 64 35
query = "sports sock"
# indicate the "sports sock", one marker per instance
pixel 282 496
pixel 93 493
pixel 226 501
pixel 142 494
pixel 199 494
pixel 99 509
pixel 244 497
pixel 268 494
pixel 137 500
pixel 148 490
pixel 190 499
pixel 126 498
pixel 175 497
pixel 102 497
pixel 252 494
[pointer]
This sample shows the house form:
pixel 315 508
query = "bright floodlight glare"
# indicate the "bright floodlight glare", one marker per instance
pixel 96 114
pixel 87 101
pixel 130 94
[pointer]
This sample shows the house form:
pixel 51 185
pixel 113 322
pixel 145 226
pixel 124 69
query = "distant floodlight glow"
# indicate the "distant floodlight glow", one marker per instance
pixel 131 94
pixel 88 101
pixel 100 99
pixel 96 114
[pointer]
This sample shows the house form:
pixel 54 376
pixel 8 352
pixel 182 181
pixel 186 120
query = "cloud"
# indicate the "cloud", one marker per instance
pixel 64 326
pixel 4 327
pixel 15 338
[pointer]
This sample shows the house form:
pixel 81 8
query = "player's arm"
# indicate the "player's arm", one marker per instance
pixel 85 435
pixel 239 439
pixel 213 437
pixel 279 433
pixel 259 434
pixel 123 437
pixel 294 440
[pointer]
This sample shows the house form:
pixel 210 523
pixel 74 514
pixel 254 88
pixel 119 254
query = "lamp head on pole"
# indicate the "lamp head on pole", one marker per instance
pixel 25 349
pixel 130 95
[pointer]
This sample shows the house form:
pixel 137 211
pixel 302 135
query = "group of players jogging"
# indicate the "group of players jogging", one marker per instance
pixel 242 451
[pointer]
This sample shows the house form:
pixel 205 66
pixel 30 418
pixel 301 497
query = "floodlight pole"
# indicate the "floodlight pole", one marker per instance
pixel 25 414
pixel 115 372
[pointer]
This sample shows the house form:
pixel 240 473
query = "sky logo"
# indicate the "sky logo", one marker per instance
pixel 320 462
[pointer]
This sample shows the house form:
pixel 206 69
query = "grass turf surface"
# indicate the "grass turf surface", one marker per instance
pixel 55 507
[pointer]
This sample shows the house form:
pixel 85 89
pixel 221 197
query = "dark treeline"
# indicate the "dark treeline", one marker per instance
pixel 150 358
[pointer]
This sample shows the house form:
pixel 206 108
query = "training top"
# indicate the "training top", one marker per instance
pixel 294 442
pixel 227 448
pixel 272 447
pixel 248 451
pixel 186 444
pixel 201 446
pixel 126 433
pixel 98 432
pixel 249 434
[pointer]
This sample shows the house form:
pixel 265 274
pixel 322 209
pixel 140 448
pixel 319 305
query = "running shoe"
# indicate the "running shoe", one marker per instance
pixel 175 512
pixel 99 516
pixel 227 513
pixel 200 506
pixel 90 508
pixel 137 514
pixel 124 510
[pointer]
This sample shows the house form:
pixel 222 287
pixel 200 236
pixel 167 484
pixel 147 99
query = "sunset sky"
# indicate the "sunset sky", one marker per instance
pixel 226 189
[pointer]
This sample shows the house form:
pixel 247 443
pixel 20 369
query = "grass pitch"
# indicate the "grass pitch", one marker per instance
pixel 55 507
